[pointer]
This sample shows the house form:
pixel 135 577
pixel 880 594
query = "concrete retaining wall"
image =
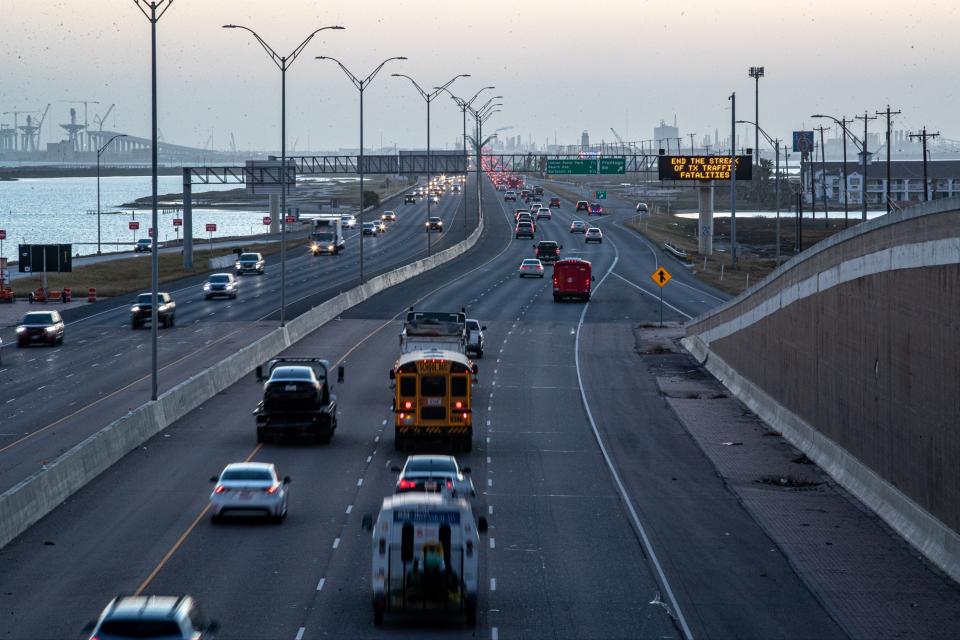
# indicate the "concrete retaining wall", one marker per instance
pixel 37 495
pixel 851 350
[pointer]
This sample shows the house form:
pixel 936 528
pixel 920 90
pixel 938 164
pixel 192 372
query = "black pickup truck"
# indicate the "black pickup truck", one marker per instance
pixel 297 400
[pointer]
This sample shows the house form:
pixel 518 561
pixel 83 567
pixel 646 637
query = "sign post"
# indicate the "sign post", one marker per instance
pixel 661 277
pixel 177 223
pixel 211 227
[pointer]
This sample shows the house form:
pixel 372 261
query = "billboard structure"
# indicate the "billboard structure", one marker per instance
pixel 685 168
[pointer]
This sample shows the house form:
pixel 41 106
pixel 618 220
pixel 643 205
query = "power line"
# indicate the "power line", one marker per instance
pixel 889 115
pixel 923 136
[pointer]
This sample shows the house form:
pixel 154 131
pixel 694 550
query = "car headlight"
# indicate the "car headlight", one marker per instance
pixel 237 265
pixel 21 329
pixel 206 286
pixel 330 247
pixel 314 247
pixel 51 329
pixel 133 309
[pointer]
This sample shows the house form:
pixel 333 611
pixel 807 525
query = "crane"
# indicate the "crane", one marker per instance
pixel 35 143
pixel 99 121
pixel 233 143
pixel 620 140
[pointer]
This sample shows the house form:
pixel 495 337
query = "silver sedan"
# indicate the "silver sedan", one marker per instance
pixel 248 488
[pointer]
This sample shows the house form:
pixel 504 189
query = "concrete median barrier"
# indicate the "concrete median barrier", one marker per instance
pixel 27 502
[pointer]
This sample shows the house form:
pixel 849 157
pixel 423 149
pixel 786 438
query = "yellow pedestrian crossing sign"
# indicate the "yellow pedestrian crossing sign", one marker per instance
pixel 661 276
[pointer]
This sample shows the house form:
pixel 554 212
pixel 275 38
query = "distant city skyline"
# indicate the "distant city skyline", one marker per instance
pixel 561 68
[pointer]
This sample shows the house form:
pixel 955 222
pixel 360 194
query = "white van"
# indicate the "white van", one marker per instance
pixel 426 548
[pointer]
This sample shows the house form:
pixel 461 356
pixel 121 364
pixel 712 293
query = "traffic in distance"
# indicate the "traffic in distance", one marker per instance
pixel 425 539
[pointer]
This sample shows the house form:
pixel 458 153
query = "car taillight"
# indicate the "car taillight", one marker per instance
pixel 220 489
pixel 272 489
pixel 586 283
pixel 464 415
pixel 407 405
pixel 449 485
pixel 408 484
pixel 458 405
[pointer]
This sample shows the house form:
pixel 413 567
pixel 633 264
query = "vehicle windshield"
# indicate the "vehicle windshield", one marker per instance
pixel 140 628
pixel 323 236
pixel 146 298
pixel 249 257
pixel 219 279
pixel 531 263
pixel 38 318
pixel 260 475
pixel 288 373
pixel 549 244
pixel 434 219
pixel 430 465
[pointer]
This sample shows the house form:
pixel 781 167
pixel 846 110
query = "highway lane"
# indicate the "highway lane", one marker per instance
pixel 53 398
pixel 562 558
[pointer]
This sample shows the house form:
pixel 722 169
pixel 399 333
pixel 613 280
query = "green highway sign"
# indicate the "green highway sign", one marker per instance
pixel 569 166
pixel 613 165
pixel 601 195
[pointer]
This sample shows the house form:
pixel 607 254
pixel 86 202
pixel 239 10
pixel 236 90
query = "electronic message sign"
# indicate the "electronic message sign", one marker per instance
pixel 703 167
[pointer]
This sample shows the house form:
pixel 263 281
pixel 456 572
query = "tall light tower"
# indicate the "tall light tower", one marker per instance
pixel 756 73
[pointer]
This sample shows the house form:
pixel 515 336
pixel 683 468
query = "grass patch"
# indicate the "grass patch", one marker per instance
pixel 117 277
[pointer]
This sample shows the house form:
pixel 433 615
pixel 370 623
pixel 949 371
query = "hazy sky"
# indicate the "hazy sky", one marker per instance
pixel 562 66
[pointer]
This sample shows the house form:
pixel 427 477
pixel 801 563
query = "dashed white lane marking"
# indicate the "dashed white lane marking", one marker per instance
pixel 488 459
pixel 488 423
pixel 489 407
pixel 336 542
pixel 493 634
pixel 377 439
pixel 69 375
pixel 489 482
pixel 490 509
pixel 95 364
pixel 493 543
pixel 300 633
pixel 349 508
pixel 116 355
pixel 360 482
pixel 369 458
pixel 320 584
pixel 10 400
pixel 488 439
pixel 41 387
pixel 384 422
pixel 493 584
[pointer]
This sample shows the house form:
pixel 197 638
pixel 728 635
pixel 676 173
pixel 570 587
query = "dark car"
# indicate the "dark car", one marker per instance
pixel 523 230
pixel 166 310
pixel 583 205
pixel 554 202
pixel 578 226
pixel 369 229
pixel 143 244
pixel 410 198
pixel 40 327
pixel 547 250
pixel 434 223
pixel 595 209
pixel 292 388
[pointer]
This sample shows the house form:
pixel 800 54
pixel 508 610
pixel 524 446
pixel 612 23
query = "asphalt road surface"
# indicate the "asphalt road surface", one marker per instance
pixel 53 398
pixel 606 519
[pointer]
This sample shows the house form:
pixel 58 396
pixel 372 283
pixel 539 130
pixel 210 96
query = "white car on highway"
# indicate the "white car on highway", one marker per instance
pixel 593 234
pixel 435 474
pixel 249 488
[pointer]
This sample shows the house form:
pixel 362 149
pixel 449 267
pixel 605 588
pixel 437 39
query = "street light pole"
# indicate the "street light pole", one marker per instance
pixel 153 17
pixel 860 145
pixel 756 73
pixel 283 63
pixel 99 152
pixel 429 96
pixel 733 180
pixel 361 85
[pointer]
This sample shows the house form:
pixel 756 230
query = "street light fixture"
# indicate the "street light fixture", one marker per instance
pixel 157 8
pixel 429 96
pixel 464 105
pixel 845 133
pixel 283 63
pixel 99 152
pixel 756 73
pixel 361 85
pixel 775 143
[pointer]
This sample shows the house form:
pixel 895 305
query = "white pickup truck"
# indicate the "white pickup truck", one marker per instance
pixel 475 338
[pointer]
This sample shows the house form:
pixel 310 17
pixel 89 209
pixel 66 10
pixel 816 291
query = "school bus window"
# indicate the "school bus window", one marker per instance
pixel 433 386
pixel 408 385
pixel 458 386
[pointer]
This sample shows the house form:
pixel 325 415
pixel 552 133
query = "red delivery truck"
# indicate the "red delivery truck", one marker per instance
pixel 572 278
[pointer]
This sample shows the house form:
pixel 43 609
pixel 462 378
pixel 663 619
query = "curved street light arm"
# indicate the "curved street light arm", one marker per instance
pixel 423 94
pixel 277 60
pixel 857 141
pixel 159 4
pixel 354 79
pixel 107 144
pixel 477 94
pixel 373 73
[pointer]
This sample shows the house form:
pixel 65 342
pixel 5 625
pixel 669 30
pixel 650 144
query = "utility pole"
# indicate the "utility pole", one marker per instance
pixel 889 114
pixel 823 177
pixel 733 180
pixel 846 195
pixel 863 191
pixel 923 136
pixel 693 148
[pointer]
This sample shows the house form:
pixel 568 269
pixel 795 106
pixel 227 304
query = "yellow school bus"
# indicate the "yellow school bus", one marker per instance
pixel 433 398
